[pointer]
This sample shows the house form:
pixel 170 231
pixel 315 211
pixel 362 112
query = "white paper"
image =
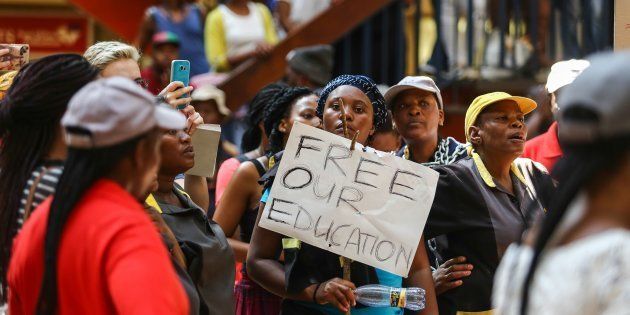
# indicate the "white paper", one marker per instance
pixel 368 206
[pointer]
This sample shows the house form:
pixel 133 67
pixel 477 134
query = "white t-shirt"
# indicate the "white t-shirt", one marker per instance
pixel 589 276
pixel 242 32
pixel 304 10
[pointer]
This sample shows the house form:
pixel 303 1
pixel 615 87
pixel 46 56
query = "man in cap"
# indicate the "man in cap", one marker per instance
pixel 310 67
pixel 545 148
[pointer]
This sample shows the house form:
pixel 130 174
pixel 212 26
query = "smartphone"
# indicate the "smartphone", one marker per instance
pixel 18 56
pixel 180 71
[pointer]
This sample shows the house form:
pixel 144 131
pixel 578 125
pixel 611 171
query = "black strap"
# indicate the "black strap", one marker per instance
pixel 242 158
pixel 259 167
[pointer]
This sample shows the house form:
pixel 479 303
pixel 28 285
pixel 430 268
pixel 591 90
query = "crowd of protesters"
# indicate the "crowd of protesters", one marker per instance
pixel 98 215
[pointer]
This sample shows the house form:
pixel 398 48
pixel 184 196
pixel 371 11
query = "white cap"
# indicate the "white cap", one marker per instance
pixel 420 82
pixel 111 111
pixel 208 92
pixel 564 72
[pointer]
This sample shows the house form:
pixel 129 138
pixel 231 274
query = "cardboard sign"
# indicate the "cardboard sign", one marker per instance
pixel 366 205
pixel 206 143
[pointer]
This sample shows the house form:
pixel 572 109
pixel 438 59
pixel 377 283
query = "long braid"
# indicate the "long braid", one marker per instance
pixel 253 135
pixel 279 108
pixel 29 122
pixel 573 171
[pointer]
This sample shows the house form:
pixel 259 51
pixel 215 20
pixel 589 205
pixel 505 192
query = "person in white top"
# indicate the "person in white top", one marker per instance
pixel 293 13
pixel 236 31
pixel 578 260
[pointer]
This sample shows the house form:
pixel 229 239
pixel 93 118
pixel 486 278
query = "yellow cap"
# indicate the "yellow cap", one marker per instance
pixel 482 101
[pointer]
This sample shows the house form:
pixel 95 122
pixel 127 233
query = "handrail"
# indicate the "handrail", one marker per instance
pixel 247 79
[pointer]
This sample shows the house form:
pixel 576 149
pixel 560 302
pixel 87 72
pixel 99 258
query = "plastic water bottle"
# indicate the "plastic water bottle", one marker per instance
pixel 376 295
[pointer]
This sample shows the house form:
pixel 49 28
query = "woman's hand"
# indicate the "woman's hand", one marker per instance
pixel 338 292
pixel 173 91
pixel 193 119
pixel 448 275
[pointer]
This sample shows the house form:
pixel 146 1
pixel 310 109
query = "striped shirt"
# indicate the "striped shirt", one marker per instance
pixel 51 171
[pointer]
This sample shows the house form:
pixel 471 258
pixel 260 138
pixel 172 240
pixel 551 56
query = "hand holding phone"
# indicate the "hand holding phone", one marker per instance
pixel 13 56
pixel 180 71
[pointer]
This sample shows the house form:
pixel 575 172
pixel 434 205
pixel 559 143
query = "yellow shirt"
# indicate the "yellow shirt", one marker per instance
pixel 215 35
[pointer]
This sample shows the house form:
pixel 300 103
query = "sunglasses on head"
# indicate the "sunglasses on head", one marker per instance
pixel 142 83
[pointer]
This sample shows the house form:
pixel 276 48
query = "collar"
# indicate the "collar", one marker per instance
pixel 151 201
pixel 487 177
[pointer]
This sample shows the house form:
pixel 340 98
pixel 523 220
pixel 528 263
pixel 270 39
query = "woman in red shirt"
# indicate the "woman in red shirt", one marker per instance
pixel 92 249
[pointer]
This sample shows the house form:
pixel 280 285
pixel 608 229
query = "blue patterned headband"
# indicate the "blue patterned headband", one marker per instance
pixel 367 86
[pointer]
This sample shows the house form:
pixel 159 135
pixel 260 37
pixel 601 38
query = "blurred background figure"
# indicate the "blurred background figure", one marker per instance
pixel 184 19
pixel 166 48
pixel 545 148
pixel 386 140
pixel 236 31
pixel 293 13
pixel 581 251
pixel 310 67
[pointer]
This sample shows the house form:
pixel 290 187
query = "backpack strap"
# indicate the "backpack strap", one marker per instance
pixel 28 207
pixel 259 167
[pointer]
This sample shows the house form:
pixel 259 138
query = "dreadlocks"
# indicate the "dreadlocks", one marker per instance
pixel 279 108
pixel 253 135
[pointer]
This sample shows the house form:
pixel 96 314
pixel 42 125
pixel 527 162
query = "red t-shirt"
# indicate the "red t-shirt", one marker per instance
pixel 545 148
pixel 111 260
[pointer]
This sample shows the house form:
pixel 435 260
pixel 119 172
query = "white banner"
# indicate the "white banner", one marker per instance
pixel 365 205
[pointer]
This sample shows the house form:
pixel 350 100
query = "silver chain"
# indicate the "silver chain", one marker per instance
pixel 441 156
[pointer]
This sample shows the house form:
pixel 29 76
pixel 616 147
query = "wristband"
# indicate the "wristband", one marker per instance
pixel 315 292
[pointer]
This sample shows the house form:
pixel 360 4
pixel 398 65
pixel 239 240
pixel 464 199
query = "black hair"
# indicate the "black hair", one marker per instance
pixel 82 169
pixel 253 135
pixel 30 117
pixel 574 171
pixel 279 107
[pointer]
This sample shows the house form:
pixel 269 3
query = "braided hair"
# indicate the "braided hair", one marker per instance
pixel 382 120
pixel 253 135
pixel 279 108
pixel 29 122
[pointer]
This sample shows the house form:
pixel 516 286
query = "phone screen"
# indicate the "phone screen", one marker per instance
pixel 180 71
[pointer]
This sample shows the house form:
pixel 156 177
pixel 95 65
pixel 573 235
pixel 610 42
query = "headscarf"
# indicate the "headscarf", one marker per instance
pixel 367 86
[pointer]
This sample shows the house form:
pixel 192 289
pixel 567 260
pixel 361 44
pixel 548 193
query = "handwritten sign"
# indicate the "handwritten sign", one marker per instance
pixel 365 205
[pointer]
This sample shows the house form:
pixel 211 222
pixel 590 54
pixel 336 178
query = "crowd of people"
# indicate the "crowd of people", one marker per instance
pixel 99 216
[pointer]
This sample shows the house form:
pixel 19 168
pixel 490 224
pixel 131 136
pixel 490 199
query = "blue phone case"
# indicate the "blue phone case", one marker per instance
pixel 180 71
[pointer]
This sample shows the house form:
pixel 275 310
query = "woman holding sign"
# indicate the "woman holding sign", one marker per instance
pixel 310 281
pixel 485 202
pixel 288 106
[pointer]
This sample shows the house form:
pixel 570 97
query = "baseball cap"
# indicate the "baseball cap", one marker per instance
pixel 564 72
pixel 596 106
pixel 112 111
pixel 419 82
pixel 482 101
pixel 315 62
pixel 208 92
pixel 165 37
